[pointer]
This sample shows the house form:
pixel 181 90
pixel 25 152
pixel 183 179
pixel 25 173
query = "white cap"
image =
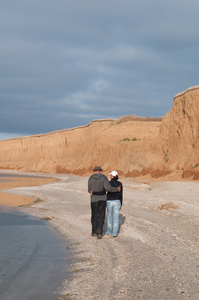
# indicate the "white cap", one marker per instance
pixel 113 173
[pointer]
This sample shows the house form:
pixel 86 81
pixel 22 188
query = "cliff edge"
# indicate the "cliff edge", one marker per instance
pixel 164 148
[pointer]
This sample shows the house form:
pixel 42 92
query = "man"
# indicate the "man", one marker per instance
pixel 98 183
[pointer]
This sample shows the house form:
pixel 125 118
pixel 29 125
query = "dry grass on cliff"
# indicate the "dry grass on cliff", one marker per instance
pixel 135 118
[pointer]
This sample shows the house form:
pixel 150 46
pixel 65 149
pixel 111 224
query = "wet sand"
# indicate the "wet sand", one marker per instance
pixel 156 254
pixel 9 182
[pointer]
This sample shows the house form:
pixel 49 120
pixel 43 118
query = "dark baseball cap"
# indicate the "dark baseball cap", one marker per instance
pixel 97 169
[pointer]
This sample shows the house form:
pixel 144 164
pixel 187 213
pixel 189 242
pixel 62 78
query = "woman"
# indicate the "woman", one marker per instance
pixel 114 205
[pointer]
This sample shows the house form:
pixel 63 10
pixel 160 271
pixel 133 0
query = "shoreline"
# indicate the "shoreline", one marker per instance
pixel 155 255
pixel 12 180
pixel 33 257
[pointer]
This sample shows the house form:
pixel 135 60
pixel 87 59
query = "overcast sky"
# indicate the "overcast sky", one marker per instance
pixel 65 63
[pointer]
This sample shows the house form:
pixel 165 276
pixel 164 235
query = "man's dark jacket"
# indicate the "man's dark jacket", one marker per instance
pixel 99 183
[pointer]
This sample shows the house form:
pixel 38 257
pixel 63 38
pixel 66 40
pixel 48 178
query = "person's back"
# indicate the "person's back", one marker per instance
pixel 117 195
pixel 98 182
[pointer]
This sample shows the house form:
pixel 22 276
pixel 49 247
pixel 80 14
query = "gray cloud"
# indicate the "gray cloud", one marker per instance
pixel 64 63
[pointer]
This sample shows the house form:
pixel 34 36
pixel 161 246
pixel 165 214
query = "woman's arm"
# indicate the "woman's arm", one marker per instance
pixel 99 193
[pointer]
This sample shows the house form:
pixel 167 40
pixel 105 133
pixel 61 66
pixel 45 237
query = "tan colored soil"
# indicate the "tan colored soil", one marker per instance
pixel 155 256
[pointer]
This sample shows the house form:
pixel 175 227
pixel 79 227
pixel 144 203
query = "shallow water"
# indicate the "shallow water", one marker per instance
pixel 33 259
pixel 9 181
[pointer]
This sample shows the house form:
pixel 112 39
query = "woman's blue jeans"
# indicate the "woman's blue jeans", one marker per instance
pixel 113 207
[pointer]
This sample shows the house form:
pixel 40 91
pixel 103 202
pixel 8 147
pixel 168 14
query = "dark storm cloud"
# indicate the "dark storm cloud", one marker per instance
pixel 64 63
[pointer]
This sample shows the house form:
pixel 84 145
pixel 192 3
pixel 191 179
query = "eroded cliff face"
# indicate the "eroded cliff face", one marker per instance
pixel 166 149
pixel 179 133
pixel 113 144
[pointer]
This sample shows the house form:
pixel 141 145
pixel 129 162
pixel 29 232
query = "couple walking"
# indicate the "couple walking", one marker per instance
pixel 98 184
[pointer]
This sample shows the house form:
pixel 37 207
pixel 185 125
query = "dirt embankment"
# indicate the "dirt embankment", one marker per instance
pixel 158 148
pixel 109 143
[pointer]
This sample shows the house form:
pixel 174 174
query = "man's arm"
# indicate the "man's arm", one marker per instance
pixel 108 187
pixel 89 186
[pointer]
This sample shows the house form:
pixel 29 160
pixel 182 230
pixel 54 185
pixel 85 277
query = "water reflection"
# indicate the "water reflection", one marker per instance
pixel 8 182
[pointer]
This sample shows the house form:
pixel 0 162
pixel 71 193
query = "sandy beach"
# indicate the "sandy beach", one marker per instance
pixel 156 254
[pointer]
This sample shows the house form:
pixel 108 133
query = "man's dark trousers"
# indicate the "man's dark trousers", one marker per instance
pixel 98 210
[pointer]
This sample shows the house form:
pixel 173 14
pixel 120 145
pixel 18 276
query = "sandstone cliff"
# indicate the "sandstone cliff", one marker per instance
pixel 179 134
pixel 166 148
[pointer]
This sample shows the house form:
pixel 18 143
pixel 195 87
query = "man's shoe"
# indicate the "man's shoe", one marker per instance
pixel 115 235
pixel 99 236
pixel 94 234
